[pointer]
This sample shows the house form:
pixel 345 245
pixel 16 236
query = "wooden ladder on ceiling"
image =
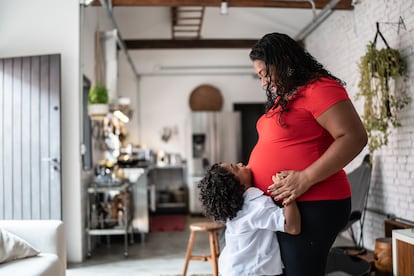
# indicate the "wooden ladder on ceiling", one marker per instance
pixel 186 22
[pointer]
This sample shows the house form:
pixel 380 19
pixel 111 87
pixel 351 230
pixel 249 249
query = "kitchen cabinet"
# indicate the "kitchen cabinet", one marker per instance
pixel 168 189
pixel 109 212
pixel 403 252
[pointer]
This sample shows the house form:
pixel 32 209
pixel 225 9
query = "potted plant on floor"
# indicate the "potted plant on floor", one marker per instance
pixel 382 85
pixel 98 105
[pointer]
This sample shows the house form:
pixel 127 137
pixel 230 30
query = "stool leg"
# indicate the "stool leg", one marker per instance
pixel 214 256
pixel 189 250
pixel 217 243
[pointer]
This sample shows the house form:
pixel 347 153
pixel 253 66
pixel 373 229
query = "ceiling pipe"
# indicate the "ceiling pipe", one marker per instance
pixel 321 17
pixel 120 41
pixel 311 2
pixel 313 7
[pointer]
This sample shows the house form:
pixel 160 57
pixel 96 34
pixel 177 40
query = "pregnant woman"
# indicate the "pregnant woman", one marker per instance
pixel 310 131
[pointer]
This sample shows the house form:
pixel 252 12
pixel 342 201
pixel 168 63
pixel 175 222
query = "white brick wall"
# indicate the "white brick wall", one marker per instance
pixel 339 43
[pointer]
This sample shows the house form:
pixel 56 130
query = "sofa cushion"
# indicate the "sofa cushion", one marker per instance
pixel 44 264
pixel 13 247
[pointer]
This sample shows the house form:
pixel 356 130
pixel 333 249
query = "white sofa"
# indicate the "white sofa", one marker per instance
pixel 48 237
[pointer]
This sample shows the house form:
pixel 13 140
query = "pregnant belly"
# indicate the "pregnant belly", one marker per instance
pixel 266 160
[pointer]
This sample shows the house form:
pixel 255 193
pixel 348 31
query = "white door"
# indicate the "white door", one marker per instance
pixel 30 179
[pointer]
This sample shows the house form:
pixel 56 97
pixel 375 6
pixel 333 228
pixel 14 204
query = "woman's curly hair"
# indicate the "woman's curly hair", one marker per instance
pixel 221 194
pixel 294 67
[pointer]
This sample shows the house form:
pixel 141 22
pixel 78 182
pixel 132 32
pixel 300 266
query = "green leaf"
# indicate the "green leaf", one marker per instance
pixel 98 94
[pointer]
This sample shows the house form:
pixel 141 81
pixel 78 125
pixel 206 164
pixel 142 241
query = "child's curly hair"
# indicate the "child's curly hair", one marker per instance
pixel 221 194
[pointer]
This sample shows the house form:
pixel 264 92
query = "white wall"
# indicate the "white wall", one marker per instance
pixel 164 97
pixel 339 43
pixel 47 27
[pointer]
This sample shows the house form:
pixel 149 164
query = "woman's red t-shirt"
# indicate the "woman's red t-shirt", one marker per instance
pixel 300 141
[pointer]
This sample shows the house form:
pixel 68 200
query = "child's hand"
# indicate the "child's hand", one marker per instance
pixel 288 185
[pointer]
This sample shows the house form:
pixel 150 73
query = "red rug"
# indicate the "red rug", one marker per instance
pixel 167 223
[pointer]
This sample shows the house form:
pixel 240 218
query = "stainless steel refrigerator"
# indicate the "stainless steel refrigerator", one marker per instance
pixel 215 137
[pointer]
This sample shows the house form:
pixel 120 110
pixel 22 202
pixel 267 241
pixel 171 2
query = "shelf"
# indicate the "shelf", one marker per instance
pixel 168 167
pixel 110 205
pixel 172 205
pixel 168 189
pixel 104 189
pixel 98 232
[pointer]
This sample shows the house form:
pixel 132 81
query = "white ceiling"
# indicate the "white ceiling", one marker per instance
pixel 246 19
pixel 239 23
pixel 254 22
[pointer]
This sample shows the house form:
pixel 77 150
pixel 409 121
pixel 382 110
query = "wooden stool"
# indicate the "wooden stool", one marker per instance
pixel 211 228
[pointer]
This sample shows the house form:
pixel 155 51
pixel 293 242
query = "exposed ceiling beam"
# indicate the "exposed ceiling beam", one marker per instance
pixel 319 4
pixel 140 44
pixel 197 43
pixel 186 22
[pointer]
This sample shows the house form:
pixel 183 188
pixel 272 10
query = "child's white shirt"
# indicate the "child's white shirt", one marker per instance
pixel 251 243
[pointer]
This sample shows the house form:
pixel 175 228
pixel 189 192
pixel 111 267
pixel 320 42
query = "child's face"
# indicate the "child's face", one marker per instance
pixel 241 172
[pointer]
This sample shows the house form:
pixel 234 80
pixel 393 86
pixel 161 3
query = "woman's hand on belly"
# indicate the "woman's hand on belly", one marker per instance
pixel 288 185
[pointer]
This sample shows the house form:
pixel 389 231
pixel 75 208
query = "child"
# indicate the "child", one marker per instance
pixel 227 194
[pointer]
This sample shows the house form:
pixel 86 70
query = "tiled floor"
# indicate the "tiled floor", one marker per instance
pixel 161 254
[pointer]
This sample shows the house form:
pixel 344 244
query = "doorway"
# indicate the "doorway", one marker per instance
pixel 250 113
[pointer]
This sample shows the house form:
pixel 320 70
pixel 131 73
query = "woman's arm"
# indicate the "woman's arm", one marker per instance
pixel 343 123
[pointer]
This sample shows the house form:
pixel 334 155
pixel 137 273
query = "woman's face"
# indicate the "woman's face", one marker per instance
pixel 241 172
pixel 260 69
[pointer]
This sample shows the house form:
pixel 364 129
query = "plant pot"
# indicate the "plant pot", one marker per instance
pixel 98 111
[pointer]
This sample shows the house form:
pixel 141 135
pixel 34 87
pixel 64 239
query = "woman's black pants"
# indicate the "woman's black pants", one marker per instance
pixel 306 254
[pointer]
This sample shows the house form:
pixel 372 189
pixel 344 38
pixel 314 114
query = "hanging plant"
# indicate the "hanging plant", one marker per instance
pixel 379 72
pixel 98 102
pixel 98 94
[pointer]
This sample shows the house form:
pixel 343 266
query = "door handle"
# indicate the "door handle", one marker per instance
pixel 53 161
